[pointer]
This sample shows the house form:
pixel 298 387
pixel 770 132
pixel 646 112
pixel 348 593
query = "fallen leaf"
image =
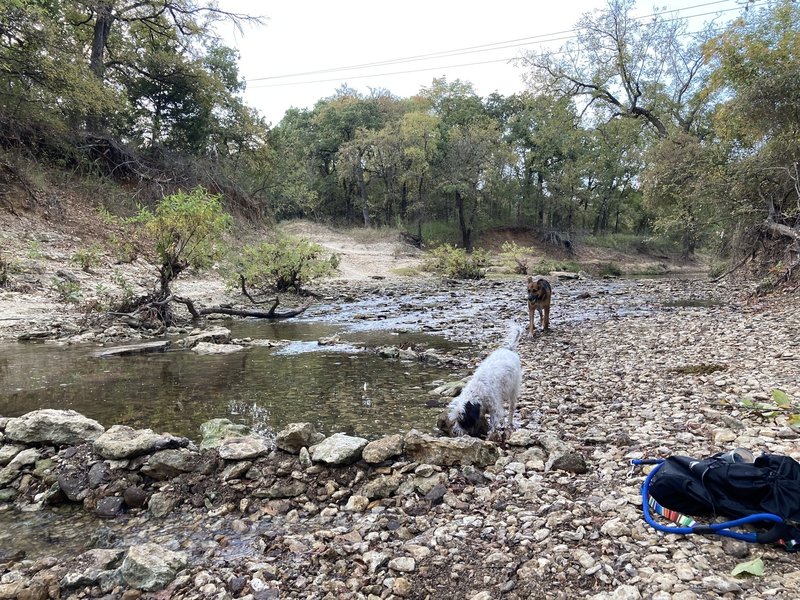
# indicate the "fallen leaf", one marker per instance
pixel 751 567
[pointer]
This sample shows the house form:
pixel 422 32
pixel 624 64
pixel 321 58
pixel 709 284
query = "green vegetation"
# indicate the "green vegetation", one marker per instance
pixel 782 406
pixel 516 257
pixel 287 264
pixel 544 266
pixel 457 263
pixel 185 230
pixel 634 132
pixel 67 291
pixel 88 258
pixel 610 270
pixel 34 250
pixel 701 369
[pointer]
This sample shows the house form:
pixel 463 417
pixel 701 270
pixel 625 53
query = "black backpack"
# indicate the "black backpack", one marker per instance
pixel 764 494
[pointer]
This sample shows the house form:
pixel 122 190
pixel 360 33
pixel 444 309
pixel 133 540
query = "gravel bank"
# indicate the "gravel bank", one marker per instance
pixel 657 369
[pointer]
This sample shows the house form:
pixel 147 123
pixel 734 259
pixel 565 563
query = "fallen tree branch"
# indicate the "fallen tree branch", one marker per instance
pixel 249 297
pixel 241 312
pixel 732 269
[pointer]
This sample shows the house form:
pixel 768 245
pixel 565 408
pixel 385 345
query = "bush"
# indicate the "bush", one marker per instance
pixel 68 291
pixel 186 231
pixel 87 258
pixel 516 256
pixel 289 263
pixel 546 266
pixel 454 262
pixel 436 233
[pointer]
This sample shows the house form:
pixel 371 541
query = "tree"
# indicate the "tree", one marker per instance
pixel 185 230
pixel 543 132
pixel 420 137
pixel 468 151
pixel 757 63
pixel 42 75
pixel 683 185
pixel 623 66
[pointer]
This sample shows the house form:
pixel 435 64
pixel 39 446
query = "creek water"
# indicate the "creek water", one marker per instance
pixel 338 387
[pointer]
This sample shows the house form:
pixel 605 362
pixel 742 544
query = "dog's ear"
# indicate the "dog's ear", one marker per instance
pixel 530 279
pixel 470 418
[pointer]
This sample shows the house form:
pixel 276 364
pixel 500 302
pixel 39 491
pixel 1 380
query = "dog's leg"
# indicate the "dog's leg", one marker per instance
pixel 546 319
pixel 531 325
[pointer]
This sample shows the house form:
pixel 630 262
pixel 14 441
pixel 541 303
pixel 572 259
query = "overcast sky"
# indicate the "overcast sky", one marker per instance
pixel 307 49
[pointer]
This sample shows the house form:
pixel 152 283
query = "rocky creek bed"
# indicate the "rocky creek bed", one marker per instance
pixel 640 369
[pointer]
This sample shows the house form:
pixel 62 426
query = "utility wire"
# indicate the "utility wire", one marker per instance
pixel 527 41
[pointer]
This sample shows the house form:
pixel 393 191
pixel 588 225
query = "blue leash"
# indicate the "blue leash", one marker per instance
pixel 715 528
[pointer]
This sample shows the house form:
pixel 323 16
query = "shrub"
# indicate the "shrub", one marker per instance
pixel 455 262
pixel 288 263
pixel 87 258
pixel 516 256
pixel 546 266
pixel 68 291
pixel 186 231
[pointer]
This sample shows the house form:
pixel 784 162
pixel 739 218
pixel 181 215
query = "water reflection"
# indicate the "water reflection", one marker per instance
pixel 338 388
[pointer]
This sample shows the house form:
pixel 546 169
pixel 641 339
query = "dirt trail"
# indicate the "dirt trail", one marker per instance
pixel 377 256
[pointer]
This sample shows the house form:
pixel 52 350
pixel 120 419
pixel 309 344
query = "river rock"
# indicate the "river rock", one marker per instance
pixel 243 448
pixel 53 426
pixel 121 441
pixel 338 449
pixel 8 452
pixel 212 335
pixel 134 496
pixel 166 464
pixel 161 504
pixel 8 474
pixel 450 451
pixel 295 436
pixel 73 483
pixel 383 449
pixel 151 567
pixel 23 459
pixel 216 430
pixel 86 568
pixel 108 508
pixel 382 486
pixel 207 349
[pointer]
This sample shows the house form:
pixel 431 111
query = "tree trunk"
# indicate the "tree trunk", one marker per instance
pixel 466 232
pixel 102 26
pixel 362 189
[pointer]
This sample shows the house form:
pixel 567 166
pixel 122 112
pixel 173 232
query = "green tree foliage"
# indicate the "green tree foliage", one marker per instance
pixel 757 60
pixel 44 78
pixel 457 263
pixel 623 66
pixel 185 230
pixel 289 263
pixel 683 186
pixel 128 89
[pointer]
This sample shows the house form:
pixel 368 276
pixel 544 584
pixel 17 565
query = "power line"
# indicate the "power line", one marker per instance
pixel 526 41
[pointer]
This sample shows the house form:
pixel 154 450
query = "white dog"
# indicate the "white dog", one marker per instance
pixel 494 387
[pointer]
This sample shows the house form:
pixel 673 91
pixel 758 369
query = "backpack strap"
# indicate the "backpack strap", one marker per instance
pixel 777 534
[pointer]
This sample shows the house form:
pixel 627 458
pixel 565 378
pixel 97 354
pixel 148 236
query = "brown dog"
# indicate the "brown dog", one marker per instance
pixel 539 293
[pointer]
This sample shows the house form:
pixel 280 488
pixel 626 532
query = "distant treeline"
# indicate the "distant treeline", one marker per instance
pixel 634 125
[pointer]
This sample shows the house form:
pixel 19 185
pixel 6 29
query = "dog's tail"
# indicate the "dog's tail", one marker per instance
pixel 513 336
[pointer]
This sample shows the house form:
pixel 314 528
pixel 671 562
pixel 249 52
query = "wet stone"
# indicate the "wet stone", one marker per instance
pixel 134 496
pixel 109 508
